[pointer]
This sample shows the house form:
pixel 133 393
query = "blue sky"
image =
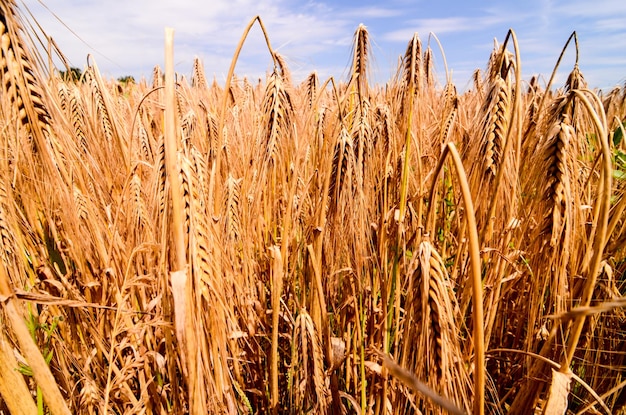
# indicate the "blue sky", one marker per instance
pixel 126 37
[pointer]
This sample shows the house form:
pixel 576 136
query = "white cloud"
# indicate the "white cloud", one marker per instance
pixel 445 25
pixel 126 36
pixel 590 9
pixel 425 26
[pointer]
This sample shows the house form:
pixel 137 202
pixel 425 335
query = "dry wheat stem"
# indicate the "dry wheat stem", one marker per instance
pixel 13 388
pixel 603 217
pixel 417 386
pixel 222 117
pixel 476 275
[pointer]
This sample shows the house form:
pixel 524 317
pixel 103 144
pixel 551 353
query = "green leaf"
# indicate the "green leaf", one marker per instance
pixel 24 369
pixel 618 135
pixel 48 356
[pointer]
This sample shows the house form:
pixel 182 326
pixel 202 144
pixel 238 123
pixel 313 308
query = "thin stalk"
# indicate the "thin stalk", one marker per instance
pixel 393 298
pixel 222 118
pixel 475 266
pixel 443 56
pixel 558 62
pixel 604 201
pixel 362 354
pixel 171 155
pixel 404 189
pixel 181 285
pixel 276 292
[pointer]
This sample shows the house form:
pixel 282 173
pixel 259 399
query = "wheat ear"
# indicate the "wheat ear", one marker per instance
pixel 278 111
pixel 308 390
pixel 198 80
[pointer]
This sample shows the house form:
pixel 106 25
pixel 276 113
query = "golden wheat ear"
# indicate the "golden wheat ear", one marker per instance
pixel 308 389
pixel 360 61
pixel 342 172
pixel 412 64
pixel 104 108
pixel 19 78
pixel 283 69
pixel 430 324
pixel 495 126
pixel 312 86
pixel 232 223
pixel 450 109
pixel 278 110
pixel 198 79
pixel 363 140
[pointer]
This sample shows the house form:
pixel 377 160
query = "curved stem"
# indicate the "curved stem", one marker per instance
pixel 558 62
pixel 443 56
pixel 475 266
pixel 229 77
pixel 604 200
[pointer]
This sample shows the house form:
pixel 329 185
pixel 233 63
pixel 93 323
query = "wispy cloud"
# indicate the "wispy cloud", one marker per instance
pixel 425 26
pixel 126 36
pixel 369 12
pixel 590 9
pixel 131 37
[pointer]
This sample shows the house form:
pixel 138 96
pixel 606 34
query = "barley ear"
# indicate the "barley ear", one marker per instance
pixel 20 83
pixel 312 87
pixel 308 390
pixel 198 80
pixel 360 61
pixel 278 111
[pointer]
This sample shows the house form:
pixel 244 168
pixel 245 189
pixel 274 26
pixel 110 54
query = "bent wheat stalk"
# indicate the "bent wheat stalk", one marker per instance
pixel 603 218
pixel 477 288
pixel 13 388
pixel 417 386
pixel 41 372
pixel 220 122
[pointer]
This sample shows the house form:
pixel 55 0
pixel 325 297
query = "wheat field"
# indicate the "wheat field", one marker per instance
pixel 327 247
